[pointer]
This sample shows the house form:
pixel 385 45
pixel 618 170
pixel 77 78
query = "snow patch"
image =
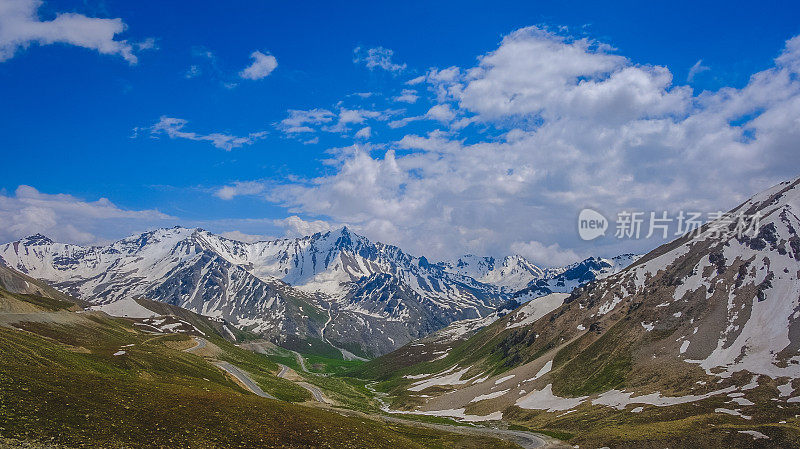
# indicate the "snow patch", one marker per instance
pixel 492 395
pixel 544 399
pixel 126 308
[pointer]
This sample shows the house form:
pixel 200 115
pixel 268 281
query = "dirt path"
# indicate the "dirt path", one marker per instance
pixel 233 370
pixel 301 361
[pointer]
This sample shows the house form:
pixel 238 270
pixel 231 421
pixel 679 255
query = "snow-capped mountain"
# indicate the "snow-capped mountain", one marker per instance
pixel 287 289
pixel 515 273
pixel 335 286
pixel 706 325
pixel 566 279
pixel 512 273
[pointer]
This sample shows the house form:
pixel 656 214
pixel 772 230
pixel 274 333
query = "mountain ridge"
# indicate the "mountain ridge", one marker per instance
pixel 701 328
pixel 368 297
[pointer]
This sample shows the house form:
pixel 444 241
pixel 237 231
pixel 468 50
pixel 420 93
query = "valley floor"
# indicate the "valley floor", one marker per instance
pixel 83 379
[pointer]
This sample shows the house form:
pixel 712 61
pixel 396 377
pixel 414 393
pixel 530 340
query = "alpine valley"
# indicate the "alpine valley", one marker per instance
pixel 695 344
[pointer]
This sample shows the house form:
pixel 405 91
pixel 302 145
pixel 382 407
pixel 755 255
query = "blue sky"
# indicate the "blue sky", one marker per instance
pixel 126 113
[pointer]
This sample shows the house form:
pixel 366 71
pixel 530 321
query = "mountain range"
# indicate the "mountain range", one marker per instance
pixel 332 292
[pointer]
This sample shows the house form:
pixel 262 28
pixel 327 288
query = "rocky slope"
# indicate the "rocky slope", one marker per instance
pixel 704 329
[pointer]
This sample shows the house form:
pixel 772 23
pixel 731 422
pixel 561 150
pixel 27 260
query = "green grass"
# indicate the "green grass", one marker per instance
pixel 326 365
pixel 563 436
pixel 430 419
pixel 40 301
pixel 63 383
pixel 600 366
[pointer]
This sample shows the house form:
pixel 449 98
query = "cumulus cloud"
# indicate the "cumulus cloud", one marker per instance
pixel 20 26
pixel 441 112
pixel 545 255
pixel 262 66
pixel 297 227
pixel 572 125
pixel 407 96
pixel 173 127
pixel 67 218
pixel 377 57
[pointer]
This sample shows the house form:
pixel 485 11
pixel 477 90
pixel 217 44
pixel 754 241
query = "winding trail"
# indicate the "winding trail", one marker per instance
pixel 315 392
pixel 282 373
pixel 526 440
pixel 244 378
pixel 199 343
pixel 233 370
pixel 301 361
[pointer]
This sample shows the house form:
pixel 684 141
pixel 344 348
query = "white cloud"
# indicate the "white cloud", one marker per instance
pixel 20 27
pixel 262 66
pixel 354 117
pixel 297 227
pixel 193 72
pixel 314 120
pixel 545 255
pixel 571 125
pixel 416 80
pixel 441 113
pixel 173 127
pixel 364 133
pixel 537 73
pixel 298 121
pixel 407 96
pixel 698 67
pixel 70 219
pixel 377 57
pixel 249 238
pixel 240 188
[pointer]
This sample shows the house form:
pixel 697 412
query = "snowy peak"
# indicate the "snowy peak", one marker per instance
pixel 370 289
pixel 512 273
pixel 515 273
pixel 36 239
pixel 278 288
